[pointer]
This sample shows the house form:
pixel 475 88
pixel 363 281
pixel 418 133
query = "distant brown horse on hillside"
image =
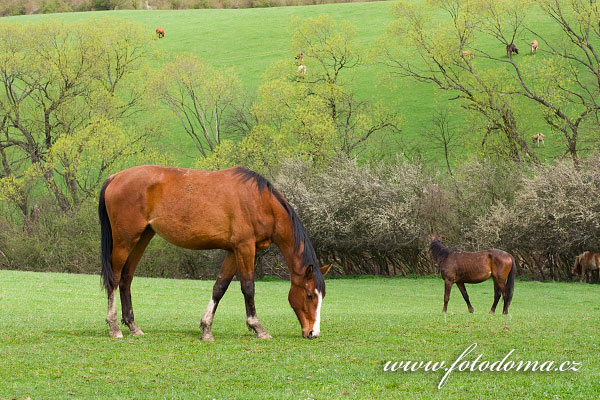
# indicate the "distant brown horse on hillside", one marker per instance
pixel 510 49
pixel 462 267
pixel 534 46
pixel 585 264
pixel 160 32
pixel 537 138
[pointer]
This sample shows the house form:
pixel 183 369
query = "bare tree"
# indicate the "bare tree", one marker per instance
pixel 444 57
pixel 442 134
pixel 564 80
pixel 202 99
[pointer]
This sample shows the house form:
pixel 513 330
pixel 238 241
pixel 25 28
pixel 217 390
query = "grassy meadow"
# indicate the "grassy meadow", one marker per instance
pixel 252 40
pixel 54 342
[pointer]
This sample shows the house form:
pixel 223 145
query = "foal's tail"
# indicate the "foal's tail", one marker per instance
pixel 106 242
pixel 510 282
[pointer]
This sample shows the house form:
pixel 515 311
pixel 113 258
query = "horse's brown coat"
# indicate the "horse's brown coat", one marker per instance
pixel 206 210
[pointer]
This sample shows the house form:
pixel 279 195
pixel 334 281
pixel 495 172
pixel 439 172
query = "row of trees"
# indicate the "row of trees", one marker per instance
pixel 562 82
pixel 74 103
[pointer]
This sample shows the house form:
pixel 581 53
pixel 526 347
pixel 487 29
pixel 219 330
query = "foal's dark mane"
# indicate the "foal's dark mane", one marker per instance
pixel 439 251
pixel 309 257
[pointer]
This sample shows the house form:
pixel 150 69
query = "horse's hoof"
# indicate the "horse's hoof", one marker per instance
pixel 115 334
pixel 207 337
pixel 264 335
pixel 471 310
pixel 136 332
pixel 492 312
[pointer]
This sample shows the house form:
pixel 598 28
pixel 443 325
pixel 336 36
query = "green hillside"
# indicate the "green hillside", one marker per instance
pixel 251 40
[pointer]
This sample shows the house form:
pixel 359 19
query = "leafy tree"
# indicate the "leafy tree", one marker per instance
pixel 314 117
pixel 330 51
pixel 67 93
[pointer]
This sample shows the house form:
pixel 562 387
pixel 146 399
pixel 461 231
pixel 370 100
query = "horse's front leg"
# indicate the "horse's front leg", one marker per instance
pixel 227 272
pixel 245 260
pixel 447 288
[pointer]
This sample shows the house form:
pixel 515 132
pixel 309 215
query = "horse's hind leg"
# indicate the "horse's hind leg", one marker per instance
pixel 447 288
pixel 245 261
pixel 225 275
pixel 502 288
pixel 497 294
pixel 463 290
pixel 119 257
pixel 127 277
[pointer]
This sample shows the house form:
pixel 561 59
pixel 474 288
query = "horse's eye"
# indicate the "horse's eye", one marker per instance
pixel 309 296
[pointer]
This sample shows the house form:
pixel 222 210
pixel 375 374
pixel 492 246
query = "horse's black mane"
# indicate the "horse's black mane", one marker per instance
pixel 439 251
pixel 309 257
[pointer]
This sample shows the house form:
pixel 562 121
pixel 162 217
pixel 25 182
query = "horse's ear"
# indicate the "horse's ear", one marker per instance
pixel 325 269
pixel 308 274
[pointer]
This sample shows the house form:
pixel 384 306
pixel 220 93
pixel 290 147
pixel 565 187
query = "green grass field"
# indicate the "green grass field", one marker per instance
pixel 54 341
pixel 251 40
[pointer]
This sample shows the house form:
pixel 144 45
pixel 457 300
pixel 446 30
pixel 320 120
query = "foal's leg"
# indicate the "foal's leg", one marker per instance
pixel 245 260
pixel 227 272
pixel 497 294
pixel 127 277
pixel 463 290
pixel 502 287
pixel 447 288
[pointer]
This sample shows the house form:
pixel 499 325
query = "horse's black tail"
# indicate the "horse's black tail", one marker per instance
pixel 106 242
pixel 510 282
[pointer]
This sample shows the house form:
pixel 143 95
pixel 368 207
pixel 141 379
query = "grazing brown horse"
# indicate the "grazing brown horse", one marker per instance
pixel 160 32
pixel 585 263
pixel 462 267
pixel 534 46
pixel 510 49
pixel 467 54
pixel 537 138
pixel 235 209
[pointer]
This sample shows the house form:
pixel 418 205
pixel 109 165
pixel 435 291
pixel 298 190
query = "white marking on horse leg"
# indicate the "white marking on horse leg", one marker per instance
pixel 111 316
pixel 207 320
pixel 317 326
pixel 209 315
pixel 252 321
pixel 255 325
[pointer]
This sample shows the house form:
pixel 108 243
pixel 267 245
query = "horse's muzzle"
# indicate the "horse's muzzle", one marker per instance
pixel 310 335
